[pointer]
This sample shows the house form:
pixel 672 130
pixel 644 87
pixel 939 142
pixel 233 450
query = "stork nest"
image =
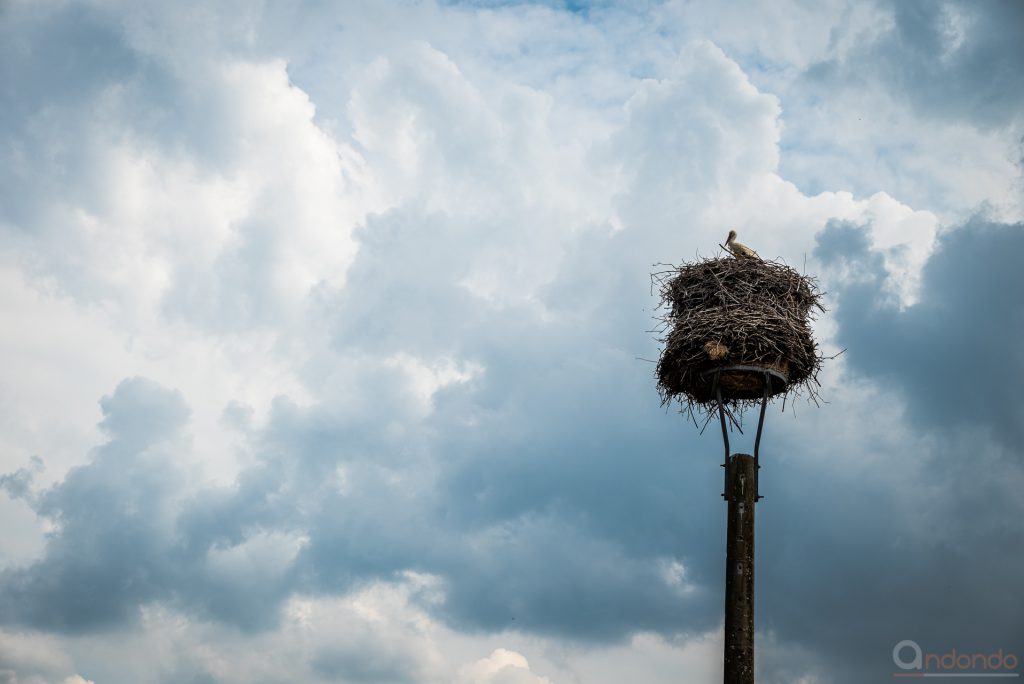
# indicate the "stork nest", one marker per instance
pixel 727 312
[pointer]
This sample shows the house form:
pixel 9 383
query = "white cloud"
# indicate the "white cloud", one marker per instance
pixel 501 667
pixel 427 378
pixel 27 658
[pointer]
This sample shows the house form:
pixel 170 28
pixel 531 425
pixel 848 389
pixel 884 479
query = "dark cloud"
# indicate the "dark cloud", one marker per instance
pixel 116 547
pixel 18 484
pixel 952 353
pixel 533 464
pixel 920 549
pixel 54 66
pixel 952 59
pixel 57 56
pixel 140 413
pixel 850 567
pixel 106 557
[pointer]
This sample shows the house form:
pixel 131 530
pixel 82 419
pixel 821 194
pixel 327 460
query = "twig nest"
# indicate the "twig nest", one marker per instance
pixel 735 319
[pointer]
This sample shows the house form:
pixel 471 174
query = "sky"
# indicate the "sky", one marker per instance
pixel 327 350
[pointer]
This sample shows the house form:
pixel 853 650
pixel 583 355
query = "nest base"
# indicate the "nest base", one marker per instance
pixel 741 382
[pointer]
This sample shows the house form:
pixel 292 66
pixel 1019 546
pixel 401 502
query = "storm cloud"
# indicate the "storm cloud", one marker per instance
pixel 950 353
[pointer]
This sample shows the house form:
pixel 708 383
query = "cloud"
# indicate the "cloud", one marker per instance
pixel 353 502
pixel 366 291
pixel 933 350
pixel 876 98
pixel 949 59
pixel 501 667
pixel 34 659
pixel 140 413
pixel 939 473
pixel 110 515
pixel 173 185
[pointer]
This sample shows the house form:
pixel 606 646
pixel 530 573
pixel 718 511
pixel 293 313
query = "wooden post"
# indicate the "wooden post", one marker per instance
pixel 741 493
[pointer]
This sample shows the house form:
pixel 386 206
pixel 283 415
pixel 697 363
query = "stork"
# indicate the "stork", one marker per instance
pixel 738 250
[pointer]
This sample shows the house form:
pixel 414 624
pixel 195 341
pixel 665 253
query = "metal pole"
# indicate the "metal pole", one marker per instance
pixel 741 493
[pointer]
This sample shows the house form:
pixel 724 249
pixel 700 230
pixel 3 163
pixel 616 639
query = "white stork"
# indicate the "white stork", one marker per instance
pixel 738 250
